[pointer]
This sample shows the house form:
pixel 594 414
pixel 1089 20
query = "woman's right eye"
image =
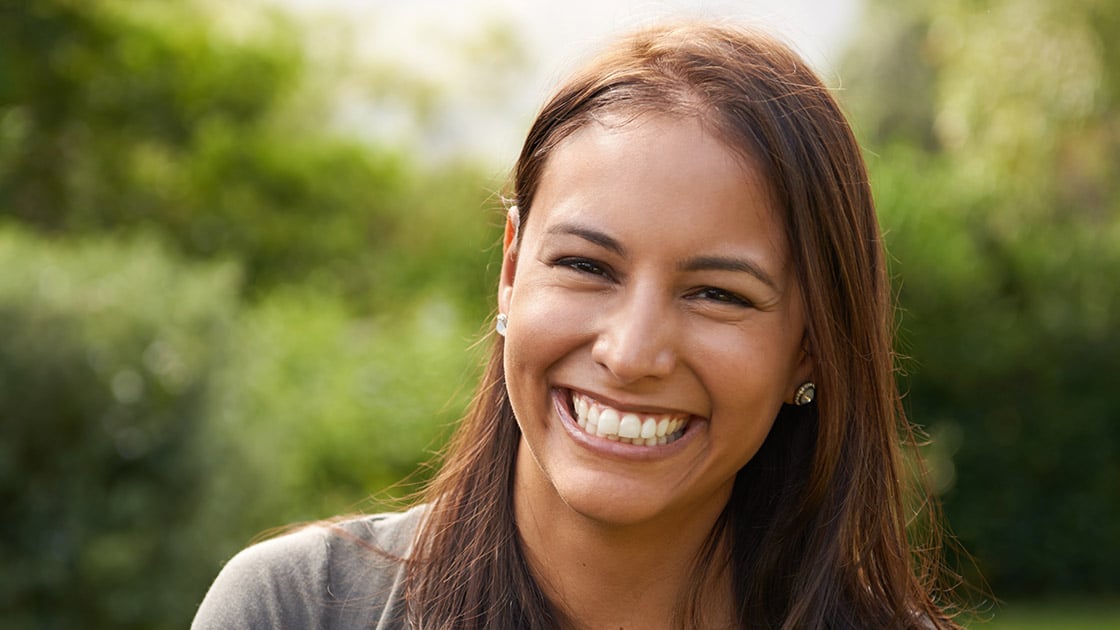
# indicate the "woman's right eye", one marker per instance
pixel 583 265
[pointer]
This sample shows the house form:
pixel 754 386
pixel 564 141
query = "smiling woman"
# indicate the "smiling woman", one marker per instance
pixel 631 291
pixel 691 253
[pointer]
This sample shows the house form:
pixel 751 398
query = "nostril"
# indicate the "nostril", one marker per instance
pixel 635 360
pixel 638 334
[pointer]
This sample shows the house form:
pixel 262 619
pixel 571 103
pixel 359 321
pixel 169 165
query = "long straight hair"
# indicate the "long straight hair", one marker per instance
pixel 817 521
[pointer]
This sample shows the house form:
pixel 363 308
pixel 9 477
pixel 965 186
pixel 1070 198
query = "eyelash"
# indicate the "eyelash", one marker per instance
pixel 722 296
pixel 583 265
pixel 713 294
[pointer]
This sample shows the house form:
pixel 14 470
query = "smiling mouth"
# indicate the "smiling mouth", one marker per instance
pixel 597 419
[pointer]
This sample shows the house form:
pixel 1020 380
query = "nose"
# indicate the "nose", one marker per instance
pixel 637 340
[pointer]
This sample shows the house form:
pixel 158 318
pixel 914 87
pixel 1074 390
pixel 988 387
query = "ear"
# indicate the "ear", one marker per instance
pixel 510 243
pixel 803 371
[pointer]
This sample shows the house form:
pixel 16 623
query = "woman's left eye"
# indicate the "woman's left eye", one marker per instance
pixel 721 296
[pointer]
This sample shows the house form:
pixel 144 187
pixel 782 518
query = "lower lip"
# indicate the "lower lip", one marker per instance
pixel 620 450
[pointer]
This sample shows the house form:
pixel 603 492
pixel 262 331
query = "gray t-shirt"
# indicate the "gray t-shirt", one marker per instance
pixel 324 577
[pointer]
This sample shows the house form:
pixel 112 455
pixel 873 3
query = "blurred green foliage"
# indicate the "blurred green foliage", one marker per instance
pixel 154 423
pixel 220 313
pixel 106 363
pixel 161 409
pixel 145 115
pixel 994 138
pixel 329 408
pixel 1072 614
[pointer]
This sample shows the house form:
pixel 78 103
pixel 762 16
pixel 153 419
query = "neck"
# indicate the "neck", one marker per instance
pixel 604 575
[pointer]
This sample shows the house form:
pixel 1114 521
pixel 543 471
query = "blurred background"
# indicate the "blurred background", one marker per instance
pixel 246 251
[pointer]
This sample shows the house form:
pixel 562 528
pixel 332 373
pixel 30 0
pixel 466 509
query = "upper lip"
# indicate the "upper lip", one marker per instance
pixel 637 408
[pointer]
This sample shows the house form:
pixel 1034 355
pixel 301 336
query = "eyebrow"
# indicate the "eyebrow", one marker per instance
pixel 696 263
pixel 589 234
pixel 724 263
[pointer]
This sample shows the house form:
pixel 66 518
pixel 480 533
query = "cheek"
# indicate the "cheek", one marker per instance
pixel 751 348
pixel 747 395
pixel 747 372
pixel 540 316
pixel 542 330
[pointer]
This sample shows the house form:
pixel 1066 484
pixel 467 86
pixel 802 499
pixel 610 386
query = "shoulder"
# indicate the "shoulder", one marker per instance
pixel 347 574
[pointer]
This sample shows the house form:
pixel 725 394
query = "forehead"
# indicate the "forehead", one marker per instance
pixel 659 171
pixel 688 135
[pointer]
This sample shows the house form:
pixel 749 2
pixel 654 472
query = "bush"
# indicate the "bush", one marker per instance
pixel 325 408
pixel 993 135
pixel 162 117
pixel 153 425
pixel 1015 341
pixel 106 365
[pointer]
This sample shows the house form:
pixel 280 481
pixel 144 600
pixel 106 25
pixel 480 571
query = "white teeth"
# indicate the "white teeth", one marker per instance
pixel 630 427
pixel 580 404
pixel 608 423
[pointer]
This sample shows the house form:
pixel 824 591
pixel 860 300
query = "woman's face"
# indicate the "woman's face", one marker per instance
pixel 655 323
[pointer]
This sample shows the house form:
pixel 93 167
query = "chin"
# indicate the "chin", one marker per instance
pixel 612 511
pixel 627 503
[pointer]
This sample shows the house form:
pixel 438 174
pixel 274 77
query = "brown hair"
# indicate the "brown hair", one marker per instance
pixel 816 523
